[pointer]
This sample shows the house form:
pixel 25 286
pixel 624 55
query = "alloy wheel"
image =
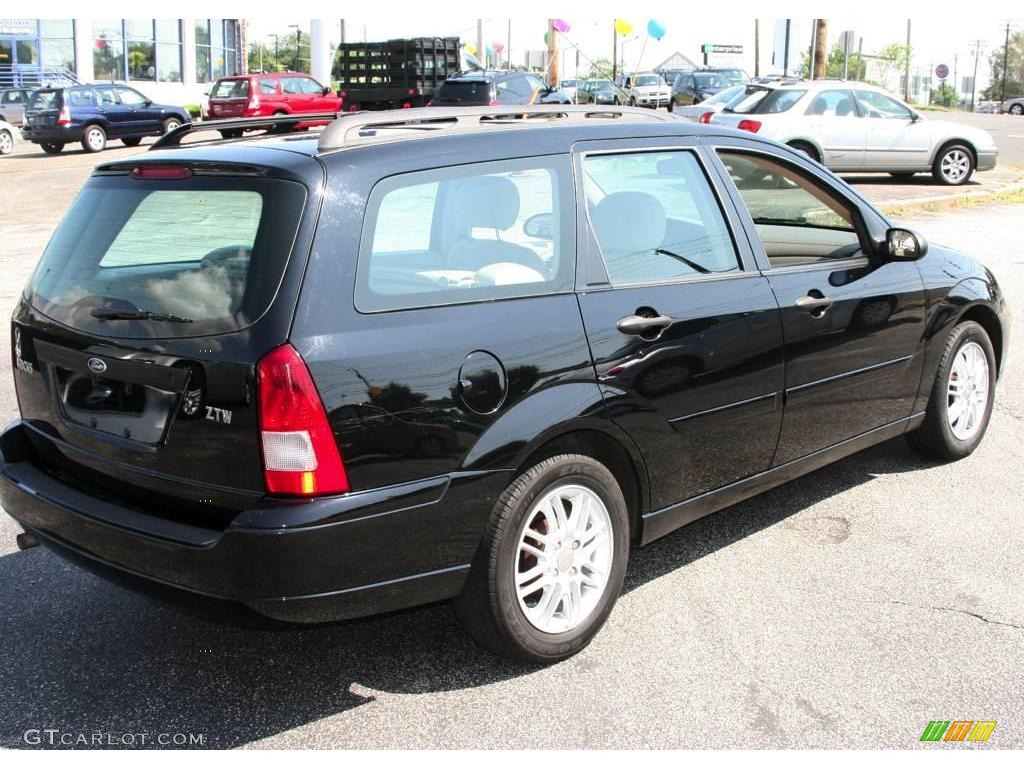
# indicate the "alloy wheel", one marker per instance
pixel 94 138
pixel 955 165
pixel 564 557
pixel 967 391
pixel 6 143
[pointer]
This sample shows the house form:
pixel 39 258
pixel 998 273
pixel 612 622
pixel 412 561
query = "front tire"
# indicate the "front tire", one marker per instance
pixel 954 165
pixel 551 563
pixel 94 139
pixel 170 124
pixel 1017 109
pixel 52 147
pixel 6 143
pixel 132 142
pixel 962 396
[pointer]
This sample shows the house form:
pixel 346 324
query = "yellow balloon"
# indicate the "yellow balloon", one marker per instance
pixel 471 49
pixel 623 27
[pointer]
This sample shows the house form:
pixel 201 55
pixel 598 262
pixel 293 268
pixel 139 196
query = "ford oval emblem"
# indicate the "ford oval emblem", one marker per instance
pixel 96 365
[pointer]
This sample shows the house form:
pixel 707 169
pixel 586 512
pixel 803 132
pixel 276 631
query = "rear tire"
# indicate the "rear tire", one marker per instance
pixel 233 134
pixel 6 143
pixel 954 165
pixel 52 147
pixel 133 142
pixel 957 414
pixel 94 139
pixel 806 149
pixel 575 573
pixel 1017 109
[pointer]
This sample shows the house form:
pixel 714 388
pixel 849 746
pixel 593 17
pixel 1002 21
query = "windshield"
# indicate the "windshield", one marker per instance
pixel 457 91
pixel 726 96
pixel 709 80
pixel 649 80
pixel 735 76
pixel 568 84
pixel 750 100
pixel 209 251
pixel 230 89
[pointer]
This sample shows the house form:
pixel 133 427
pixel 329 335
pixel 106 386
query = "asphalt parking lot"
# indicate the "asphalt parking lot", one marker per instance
pixel 846 609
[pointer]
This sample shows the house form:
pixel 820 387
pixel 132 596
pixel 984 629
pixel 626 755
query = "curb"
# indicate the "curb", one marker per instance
pixel 979 194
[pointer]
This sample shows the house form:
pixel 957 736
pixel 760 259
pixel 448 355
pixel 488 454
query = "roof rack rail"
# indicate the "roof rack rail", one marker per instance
pixel 173 138
pixel 352 126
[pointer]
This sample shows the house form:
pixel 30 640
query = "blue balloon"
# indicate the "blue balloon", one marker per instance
pixel 655 29
pixel 490 52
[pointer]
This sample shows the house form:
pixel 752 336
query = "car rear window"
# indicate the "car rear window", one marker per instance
pixel 465 91
pixel 211 250
pixel 44 100
pixel 230 89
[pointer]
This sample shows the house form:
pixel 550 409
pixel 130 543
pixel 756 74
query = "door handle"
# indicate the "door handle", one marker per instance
pixel 636 325
pixel 816 305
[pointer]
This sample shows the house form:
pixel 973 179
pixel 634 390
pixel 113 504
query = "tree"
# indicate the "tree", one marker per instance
pixel 834 64
pixel 279 56
pixel 600 69
pixel 892 60
pixel 944 95
pixel 1014 69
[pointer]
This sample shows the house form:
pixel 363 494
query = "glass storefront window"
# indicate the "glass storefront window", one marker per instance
pixel 141 60
pixel 59 53
pixel 28 52
pixel 202 64
pixel 108 57
pixel 56 28
pixel 168 62
pixel 202 32
pixel 168 31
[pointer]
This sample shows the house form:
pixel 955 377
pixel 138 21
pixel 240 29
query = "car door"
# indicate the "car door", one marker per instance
pixel 118 119
pixel 896 137
pixel 833 121
pixel 684 332
pixel 145 116
pixel 853 322
pixel 291 94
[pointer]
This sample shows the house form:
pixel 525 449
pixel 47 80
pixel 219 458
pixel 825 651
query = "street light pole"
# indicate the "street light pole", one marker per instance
pixel 906 68
pixel 1006 63
pixel 974 79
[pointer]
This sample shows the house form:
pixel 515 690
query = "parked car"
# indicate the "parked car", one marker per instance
pixel 695 87
pixel 1013 106
pixel 93 114
pixel 850 126
pixel 703 110
pixel 600 92
pixel 6 138
pixel 647 89
pixel 495 87
pixel 277 93
pixel 568 87
pixel 12 104
pixel 733 75
pixel 528 347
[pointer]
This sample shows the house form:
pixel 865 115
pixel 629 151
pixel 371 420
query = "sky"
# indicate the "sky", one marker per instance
pixel 934 39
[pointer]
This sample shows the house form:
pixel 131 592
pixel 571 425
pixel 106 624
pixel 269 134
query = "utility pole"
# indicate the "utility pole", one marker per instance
pixel 785 54
pixel 1006 64
pixel 757 47
pixel 615 51
pixel 820 47
pixel 552 68
pixel 974 80
pixel 814 49
pixel 277 53
pixel 342 31
pixel 508 45
pixel 861 74
pixel 481 51
pixel 906 68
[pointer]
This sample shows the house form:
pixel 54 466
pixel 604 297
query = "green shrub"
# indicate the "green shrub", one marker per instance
pixel 193 109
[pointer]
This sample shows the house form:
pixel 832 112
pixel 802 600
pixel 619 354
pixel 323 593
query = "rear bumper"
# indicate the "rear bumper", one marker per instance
pixel 987 159
pixel 64 134
pixel 342 557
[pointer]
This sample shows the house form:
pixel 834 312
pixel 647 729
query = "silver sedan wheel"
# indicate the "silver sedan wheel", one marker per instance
pixel 564 558
pixel 955 165
pixel 967 391
pixel 6 143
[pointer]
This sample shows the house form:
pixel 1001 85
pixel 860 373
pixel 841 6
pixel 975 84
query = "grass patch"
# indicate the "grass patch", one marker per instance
pixel 903 210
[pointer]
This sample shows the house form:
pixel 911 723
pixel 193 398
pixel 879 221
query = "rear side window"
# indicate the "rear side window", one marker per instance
pixel 78 97
pixel 268 86
pixel 211 250
pixel 465 234
pixel 656 218
pixel 230 89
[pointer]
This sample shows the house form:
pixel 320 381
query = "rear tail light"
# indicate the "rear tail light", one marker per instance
pixel 300 455
pixel 254 102
pixel 749 125
pixel 705 117
pixel 64 118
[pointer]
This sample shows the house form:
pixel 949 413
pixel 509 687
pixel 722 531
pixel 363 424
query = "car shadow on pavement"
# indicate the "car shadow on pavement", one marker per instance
pixel 922 179
pixel 85 656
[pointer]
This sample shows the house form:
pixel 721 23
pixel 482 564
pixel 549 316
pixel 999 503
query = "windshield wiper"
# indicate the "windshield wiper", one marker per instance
pixel 686 261
pixel 138 314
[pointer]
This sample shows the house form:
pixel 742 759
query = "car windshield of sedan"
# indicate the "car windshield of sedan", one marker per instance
pixel 727 96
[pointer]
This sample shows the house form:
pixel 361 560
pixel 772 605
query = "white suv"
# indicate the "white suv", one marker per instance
pixel 649 89
pixel 849 127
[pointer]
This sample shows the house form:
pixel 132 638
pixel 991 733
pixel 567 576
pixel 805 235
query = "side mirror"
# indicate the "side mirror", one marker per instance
pixel 327 91
pixel 540 226
pixel 905 245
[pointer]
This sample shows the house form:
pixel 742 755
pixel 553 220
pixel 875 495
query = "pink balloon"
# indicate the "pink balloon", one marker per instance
pixel 561 26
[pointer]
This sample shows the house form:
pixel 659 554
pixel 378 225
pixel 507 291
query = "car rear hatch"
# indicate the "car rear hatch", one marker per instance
pixel 464 93
pixel 136 341
pixel 43 108
pixel 229 97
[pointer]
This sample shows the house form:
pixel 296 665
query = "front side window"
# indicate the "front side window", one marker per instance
pixel 131 98
pixel 656 218
pixel 798 220
pixel 874 104
pixel 466 234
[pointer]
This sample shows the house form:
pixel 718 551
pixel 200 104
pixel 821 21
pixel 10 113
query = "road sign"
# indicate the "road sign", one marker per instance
pixel 942 71
pixel 720 48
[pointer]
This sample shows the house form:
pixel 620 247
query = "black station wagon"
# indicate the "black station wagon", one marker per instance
pixel 472 353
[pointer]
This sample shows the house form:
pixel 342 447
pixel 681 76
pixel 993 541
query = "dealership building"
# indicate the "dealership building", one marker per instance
pixel 169 60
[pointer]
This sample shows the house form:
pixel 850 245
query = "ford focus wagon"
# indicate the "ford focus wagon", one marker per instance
pixel 471 354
